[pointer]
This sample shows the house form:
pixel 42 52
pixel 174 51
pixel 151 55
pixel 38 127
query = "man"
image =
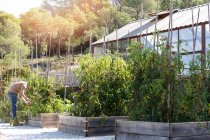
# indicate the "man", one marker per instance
pixel 17 88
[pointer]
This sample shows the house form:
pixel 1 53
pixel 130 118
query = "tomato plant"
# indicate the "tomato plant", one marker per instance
pixel 104 84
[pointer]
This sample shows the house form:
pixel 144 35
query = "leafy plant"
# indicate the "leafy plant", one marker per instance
pixel 160 93
pixel 43 95
pixel 104 84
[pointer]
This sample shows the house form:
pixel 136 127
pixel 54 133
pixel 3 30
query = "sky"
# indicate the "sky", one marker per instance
pixel 17 7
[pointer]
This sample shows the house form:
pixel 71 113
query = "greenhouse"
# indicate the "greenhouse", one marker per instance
pixel 189 27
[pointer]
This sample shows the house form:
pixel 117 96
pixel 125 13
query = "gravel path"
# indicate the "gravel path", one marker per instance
pixel 8 132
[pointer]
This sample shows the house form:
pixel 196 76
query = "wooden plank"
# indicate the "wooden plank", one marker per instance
pixel 60 119
pixel 180 131
pixel 102 129
pixel 34 123
pixel 147 137
pixel 49 124
pixel 93 126
pixel 144 128
pixel 125 136
pixel 120 136
pixel 49 116
pixel 74 121
pixel 35 118
pixel 190 129
pixel 203 137
pixel 104 122
pixel 109 117
pixel 61 126
pixel 75 130
pixel 101 123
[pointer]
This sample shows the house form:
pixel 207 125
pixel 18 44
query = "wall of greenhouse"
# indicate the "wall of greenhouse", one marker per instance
pixel 182 41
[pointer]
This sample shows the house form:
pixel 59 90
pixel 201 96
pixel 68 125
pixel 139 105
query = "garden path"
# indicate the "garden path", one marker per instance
pixel 8 132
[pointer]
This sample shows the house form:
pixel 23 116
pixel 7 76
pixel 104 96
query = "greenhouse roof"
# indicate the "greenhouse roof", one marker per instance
pixel 181 19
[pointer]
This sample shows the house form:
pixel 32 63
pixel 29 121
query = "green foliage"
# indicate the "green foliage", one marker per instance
pixel 159 93
pixel 10 35
pixel 43 95
pixel 104 84
pixel 41 91
pixel 13 74
pixel 60 90
pixel 8 76
pixel 4 109
pixel 133 7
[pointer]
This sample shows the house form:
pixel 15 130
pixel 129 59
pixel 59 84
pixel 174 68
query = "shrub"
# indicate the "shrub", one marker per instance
pixel 43 95
pixel 41 91
pixel 104 84
pixel 159 93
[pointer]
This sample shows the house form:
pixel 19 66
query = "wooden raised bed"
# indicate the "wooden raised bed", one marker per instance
pixel 88 126
pixel 43 120
pixel 137 130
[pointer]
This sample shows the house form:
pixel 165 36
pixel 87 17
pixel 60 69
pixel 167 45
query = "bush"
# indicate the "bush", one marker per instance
pixel 104 84
pixel 41 91
pixel 43 95
pixel 8 76
pixel 158 91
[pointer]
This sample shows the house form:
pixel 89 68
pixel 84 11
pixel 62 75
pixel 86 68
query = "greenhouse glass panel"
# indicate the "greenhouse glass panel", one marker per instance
pixel 108 45
pixel 186 39
pixel 207 39
pixel 188 58
pixel 148 41
pixel 123 44
pixel 186 61
pixel 174 36
pixel 163 37
pixel 113 47
pixel 98 50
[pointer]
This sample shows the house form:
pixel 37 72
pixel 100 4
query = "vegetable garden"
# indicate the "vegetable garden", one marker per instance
pixel 147 88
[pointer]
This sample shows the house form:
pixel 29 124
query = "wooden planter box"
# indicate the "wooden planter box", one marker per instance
pixel 43 120
pixel 88 126
pixel 137 130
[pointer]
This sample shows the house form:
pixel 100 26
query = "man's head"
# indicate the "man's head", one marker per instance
pixel 24 84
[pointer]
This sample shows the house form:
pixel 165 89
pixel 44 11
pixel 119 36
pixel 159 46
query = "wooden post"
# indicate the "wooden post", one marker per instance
pixel 19 63
pixel 86 127
pixel 32 53
pixel 48 63
pixel 178 49
pixel 169 85
pixel 156 20
pixel 203 51
pixel 209 16
pixel 146 39
pixel 117 37
pixel 15 65
pixel 36 53
pixel 141 18
pixel 90 40
pixel 59 46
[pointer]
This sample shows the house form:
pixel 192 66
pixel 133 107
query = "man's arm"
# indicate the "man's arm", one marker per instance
pixel 23 96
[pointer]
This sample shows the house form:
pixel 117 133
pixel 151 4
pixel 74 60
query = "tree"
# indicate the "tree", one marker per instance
pixel 89 17
pixel 180 4
pixel 36 26
pixel 134 7
pixel 62 26
pixel 10 35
